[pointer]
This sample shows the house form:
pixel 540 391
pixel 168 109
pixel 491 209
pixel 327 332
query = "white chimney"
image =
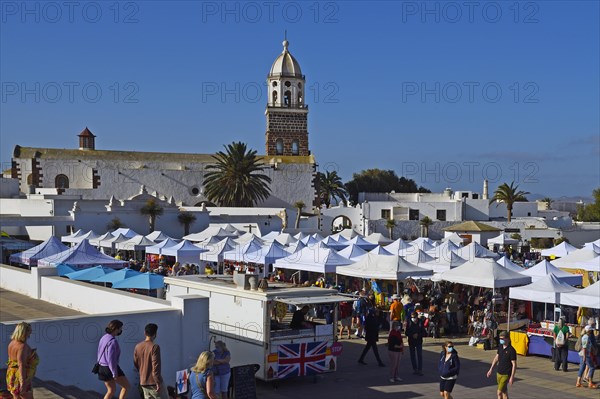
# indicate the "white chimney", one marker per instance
pixel 485 189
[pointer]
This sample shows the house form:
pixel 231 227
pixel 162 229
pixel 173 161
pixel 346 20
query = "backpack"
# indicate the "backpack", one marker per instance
pixel 560 338
pixel 578 344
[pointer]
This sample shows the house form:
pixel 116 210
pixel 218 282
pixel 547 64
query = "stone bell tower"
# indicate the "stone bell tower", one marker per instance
pixel 287 113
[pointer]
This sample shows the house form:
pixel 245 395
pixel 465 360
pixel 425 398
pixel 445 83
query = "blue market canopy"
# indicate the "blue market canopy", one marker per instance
pixel 116 276
pixel 90 274
pixel 82 255
pixel 63 270
pixel 144 281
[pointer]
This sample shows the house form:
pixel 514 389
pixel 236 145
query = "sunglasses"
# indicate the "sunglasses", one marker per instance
pixel 450 346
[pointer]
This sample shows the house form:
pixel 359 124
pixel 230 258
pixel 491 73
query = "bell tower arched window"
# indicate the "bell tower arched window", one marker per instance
pixel 61 181
pixel 287 98
pixel 279 147
pixel 295 148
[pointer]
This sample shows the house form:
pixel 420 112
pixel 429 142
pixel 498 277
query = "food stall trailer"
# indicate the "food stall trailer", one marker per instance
pixel 254 323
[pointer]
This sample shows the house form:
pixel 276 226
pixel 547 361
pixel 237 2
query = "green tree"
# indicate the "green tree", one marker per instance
pixel 236 179
pixel 380 181
pixel 516 236
pixel 330 187
pixel 115 223
pixel 389 225
pixel 560 240
pixel 590 212
pixel 425 223
pixel 509 195
pixel 153 210
pixel 299 205
pixel 186 219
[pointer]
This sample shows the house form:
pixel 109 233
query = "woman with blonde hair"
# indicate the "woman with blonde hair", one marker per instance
pixel 221 369
pixel 202 381
pixel 22 363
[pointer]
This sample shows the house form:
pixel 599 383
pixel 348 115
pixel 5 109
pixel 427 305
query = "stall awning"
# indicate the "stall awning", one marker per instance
pixel 312 300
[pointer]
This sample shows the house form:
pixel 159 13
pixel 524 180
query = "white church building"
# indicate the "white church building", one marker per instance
pixel 99 174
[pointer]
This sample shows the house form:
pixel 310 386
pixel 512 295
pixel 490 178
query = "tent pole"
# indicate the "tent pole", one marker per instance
pixel 397 286
pixel 508 316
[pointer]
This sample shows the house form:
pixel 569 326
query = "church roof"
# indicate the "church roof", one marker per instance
pixel 86 133
pixel 471 226
pixel 286 64
pixel 138 156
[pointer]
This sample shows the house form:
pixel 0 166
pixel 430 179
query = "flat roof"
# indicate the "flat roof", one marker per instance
pixel 18 307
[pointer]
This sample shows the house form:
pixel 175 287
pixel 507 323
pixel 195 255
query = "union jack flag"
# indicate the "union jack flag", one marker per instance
pixel 301 359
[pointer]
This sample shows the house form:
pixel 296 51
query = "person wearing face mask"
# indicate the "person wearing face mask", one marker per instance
pixel 415 333
pixel 449 367
pixel 108 358
pixel 395 349
pixel 506 358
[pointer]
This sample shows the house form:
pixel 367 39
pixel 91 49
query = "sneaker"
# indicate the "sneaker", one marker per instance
pixel 398 379
pixel 419 372
pixel 392 380
pixel 362 362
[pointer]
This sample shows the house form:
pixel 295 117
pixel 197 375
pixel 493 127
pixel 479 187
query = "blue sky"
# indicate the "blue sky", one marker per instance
pixel 446 93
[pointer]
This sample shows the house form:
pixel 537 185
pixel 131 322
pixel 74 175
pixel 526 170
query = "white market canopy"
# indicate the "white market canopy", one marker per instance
pixel 455 238
pixel 378 238
pixel 158 248
pixel 544 268
pixel 503 239
pixel 443 263
pixel 585 258
pixel 82 255
pixel 485 272
pixel 379 250
pixel 184 252
pixel 361 242
pixel 383 267
pixel 475 250
pixel 397 246
pixel 546 290
pixel 48 248
pixel 560 250
pixel 79 238
pixel 137 243
pixel 443 250
pixel 96 241
pixel 111 242
pixel 209 232
pixel 352 252
pixel 313 259
pixel 416 256
pixel 267 254
pixel 214 251
pixel 424 244
pixel 157 236
pixel 588 297
pixel 125 232
pixel 504 261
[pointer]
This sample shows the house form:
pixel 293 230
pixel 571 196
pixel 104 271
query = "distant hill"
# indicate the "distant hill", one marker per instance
pixel 536 196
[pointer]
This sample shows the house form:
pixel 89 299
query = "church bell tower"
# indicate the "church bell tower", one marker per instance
pixel 287 113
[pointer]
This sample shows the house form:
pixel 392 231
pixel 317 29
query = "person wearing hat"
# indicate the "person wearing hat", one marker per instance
pixel 506 358
pixel 585 356
pixel 396 311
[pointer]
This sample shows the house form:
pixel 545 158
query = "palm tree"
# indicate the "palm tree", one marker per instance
pixel 548 201
pixel 425 223
pixel 153 210
pixel 509 195
pixel 299 205
pixel 330 187
pixel 114 224
pixel 235 178
pixel 186 219
pixel 390 224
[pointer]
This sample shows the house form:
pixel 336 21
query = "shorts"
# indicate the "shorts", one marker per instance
pixel 346 321
pixel 104 373
pixel 502 380
pixel 221 382
pixel 447 385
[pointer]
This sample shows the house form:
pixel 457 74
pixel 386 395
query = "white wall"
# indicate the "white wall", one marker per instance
pixel 67 346
pixel 16 279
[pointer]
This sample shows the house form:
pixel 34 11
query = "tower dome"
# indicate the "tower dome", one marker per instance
pixel 286 65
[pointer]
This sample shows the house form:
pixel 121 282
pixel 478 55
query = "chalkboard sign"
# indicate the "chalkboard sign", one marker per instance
pixel 244 384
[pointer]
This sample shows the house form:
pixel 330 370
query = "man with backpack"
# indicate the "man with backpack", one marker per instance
pixel 561 345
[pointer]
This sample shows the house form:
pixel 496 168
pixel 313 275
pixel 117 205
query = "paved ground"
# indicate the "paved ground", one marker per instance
pixel 17 307
pixel 535 378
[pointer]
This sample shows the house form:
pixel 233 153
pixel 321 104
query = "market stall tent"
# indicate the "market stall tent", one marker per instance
pixel 48 248
pixel 544 268
pixel 485 272
pixel 137 243
pixel 313 259
pixel 184 252
pixel 504 261
pixel 503 239
pixel 560 250
pixel 383 267
pixel 585 258
pixel 80 256
pixel 475 250
pixel 546 290
pixel 158 248
pixel 588 297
